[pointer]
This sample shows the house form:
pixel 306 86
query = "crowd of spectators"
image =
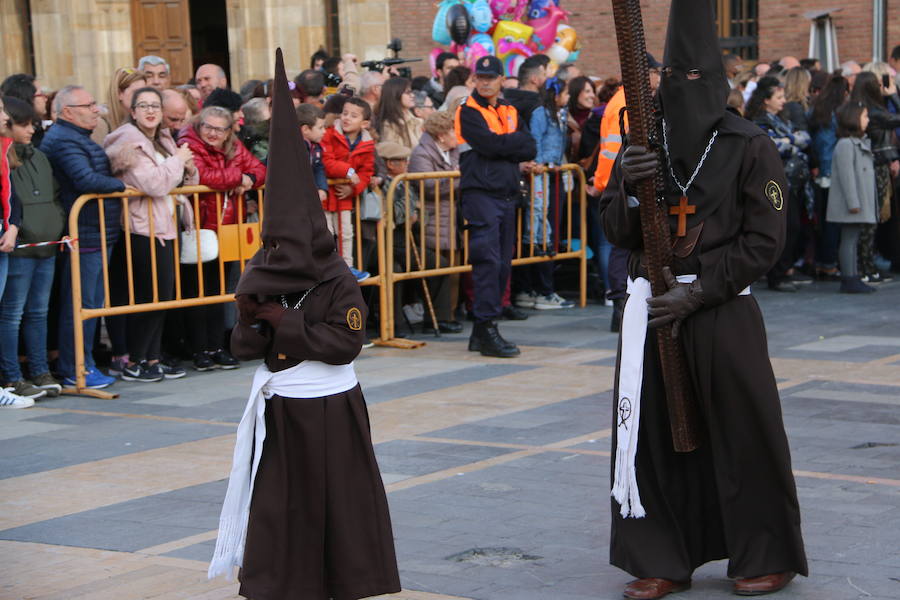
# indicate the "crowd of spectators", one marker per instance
pixel 836 132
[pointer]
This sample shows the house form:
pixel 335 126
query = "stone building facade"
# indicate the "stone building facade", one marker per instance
pixel 84 41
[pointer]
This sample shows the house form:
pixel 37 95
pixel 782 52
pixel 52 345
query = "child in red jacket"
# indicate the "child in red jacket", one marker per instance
pixel 349 154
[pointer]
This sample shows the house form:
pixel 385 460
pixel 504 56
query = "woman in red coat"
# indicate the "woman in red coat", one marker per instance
pixel 223 164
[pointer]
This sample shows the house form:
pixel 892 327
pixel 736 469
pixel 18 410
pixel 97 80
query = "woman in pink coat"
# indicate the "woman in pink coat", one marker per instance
pixel 144 155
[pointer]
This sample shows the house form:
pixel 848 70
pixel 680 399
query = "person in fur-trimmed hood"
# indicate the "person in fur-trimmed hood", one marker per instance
pixel 305 515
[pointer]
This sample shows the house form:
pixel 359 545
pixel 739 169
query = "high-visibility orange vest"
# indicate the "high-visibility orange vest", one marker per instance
pixel 610 139
pixel 500 119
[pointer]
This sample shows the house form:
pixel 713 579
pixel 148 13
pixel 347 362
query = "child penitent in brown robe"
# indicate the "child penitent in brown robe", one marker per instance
pixel 305 516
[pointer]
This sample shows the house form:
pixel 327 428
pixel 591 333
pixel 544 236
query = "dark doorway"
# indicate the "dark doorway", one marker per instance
pixel 209 34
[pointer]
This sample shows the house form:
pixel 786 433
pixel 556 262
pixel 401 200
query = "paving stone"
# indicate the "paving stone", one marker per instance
pixel 413 458
pixel 552 504
pixel 538 426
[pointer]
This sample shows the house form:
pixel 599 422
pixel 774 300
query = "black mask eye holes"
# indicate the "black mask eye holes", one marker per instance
pixel 690 74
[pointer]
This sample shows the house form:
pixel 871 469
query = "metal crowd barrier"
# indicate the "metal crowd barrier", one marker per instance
pixel 238 243
pixel 416 253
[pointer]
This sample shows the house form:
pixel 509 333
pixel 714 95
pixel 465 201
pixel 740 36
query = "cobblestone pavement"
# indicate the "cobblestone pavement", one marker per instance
pixel 496 470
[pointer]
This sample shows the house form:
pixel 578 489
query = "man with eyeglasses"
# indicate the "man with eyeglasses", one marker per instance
pixel 82 167
pixel 157 71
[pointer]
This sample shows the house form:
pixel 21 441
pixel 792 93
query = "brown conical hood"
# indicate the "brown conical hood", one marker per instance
pixel 298 250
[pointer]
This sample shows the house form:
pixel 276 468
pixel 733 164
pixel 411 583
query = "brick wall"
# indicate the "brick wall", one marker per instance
pixel 411 20
pixel 782 29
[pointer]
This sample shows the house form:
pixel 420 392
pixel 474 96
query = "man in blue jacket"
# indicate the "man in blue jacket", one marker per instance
pixel 82 167
pixel 493 142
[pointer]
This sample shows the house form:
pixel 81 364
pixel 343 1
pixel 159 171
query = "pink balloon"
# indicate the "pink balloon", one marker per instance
pixel 545 27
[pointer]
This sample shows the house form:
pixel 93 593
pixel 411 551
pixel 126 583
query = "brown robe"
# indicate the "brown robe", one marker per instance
pixel 735 496
pixel 319 524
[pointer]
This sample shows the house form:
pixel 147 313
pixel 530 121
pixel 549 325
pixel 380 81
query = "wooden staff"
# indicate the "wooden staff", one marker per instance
pixel 683 411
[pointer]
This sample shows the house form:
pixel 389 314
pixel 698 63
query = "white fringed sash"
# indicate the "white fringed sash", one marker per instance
pixel 628 402
pixel 309 379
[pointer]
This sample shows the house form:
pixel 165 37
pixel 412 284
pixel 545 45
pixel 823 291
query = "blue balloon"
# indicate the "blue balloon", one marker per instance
pixel 439 32
pixel 480 15
pixel 538 8
pixel 484 40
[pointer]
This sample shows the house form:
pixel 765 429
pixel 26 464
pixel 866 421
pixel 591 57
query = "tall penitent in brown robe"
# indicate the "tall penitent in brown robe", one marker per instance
pixel 319 525
pixel 735 496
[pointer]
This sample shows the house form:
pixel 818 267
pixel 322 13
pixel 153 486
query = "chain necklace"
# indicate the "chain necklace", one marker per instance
pixel 684 188
pixel 284 302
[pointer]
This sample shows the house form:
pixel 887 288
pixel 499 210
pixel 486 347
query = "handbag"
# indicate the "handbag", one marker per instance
pixel 370 206
pixel 209 246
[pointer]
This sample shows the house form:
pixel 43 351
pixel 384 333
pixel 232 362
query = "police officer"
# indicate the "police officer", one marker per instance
pixel 492 144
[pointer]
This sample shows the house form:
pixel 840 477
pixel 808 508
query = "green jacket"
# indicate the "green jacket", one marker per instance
pixel 43 219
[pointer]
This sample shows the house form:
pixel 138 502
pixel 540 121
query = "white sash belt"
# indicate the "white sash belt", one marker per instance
pixel 628 405
pixel 309 379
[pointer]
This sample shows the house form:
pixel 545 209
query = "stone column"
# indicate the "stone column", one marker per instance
pixel 13 42
pixel 366 27
pixel 81 42
pixel 257 27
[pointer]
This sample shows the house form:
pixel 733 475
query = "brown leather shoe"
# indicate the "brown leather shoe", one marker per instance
pixel 654 587
pixel 765 584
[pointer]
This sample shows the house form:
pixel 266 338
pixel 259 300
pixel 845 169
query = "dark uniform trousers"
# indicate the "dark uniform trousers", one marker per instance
pixel 491 226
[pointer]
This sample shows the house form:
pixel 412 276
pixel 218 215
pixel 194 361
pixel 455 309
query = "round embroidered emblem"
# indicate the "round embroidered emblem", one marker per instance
pixel 773 193
pixel 354 319
pixel 624 412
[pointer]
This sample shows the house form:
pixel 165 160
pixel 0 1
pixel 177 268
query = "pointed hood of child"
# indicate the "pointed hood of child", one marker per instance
pixel 298 250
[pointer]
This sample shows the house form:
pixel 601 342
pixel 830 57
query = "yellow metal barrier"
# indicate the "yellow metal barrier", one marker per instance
pixel 237 244
pixel 417 253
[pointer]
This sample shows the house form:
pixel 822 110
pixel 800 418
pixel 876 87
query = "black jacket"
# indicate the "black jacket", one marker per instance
pixel 492 163
pixel 881 125
pixel 525 102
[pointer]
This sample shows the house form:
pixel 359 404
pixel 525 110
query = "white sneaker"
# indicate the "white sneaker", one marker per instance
pixel 10 400
pixel 525 299
pixel 552 301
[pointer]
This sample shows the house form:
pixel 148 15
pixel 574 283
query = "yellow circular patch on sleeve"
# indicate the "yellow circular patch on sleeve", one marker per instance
pixel 354 319
pixel 773 193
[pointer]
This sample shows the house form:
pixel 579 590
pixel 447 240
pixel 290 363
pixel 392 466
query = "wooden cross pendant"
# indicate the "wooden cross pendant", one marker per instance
pixel 682 210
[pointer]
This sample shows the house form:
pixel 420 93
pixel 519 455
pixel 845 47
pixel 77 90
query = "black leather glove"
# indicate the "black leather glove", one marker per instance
pixel 677 304
pixel 272 313
pixel 247 309
pixel 638 164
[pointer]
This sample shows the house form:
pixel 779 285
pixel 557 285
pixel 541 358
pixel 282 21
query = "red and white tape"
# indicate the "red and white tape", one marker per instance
pixel 66 240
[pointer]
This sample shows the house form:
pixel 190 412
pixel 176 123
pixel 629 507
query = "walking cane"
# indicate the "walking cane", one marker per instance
pixel 434 323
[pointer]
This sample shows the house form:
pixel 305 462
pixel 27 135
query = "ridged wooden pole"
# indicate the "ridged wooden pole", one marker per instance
pixel 683 413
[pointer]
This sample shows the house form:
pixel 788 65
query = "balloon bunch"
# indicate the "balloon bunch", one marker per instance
pixel 512 30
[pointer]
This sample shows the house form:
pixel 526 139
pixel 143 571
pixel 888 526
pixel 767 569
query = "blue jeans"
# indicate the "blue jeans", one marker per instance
pixel 24 305
pixel 4 266
pixel 91 297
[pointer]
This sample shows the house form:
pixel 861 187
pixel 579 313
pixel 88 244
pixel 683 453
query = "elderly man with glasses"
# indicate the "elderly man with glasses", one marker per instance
pixel 82 167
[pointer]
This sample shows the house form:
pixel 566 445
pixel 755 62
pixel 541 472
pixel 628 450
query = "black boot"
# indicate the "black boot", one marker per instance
pixel 615 323
pixel 852 284
pixel 486 339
